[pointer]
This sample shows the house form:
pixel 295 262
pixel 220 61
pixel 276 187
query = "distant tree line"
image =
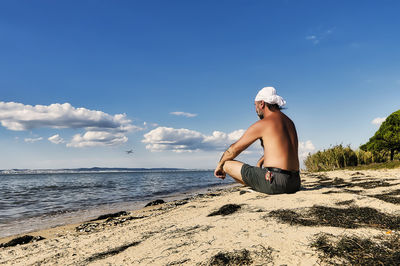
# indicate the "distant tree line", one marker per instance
pixel 382 147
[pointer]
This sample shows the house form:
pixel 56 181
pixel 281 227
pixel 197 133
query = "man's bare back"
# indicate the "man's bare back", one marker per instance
pixel 280 142
pixel 279 138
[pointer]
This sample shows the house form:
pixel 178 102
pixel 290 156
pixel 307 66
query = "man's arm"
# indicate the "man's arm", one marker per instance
pixel 260 162
pixel 229 154
pixel 252 134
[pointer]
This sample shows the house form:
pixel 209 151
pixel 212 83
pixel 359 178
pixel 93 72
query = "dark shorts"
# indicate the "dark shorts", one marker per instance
pixel 281 181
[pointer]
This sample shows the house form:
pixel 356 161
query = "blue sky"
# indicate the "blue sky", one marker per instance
pixel 175 80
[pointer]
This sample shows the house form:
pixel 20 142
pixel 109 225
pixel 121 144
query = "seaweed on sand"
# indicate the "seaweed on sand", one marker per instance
pixel 336 182
pixel 188 231
pixel 179 262
pixel 291 217
pixel 320 176
pixel 21 240
pixel 226 210
pixel 111 252
pixel 340 183
pixel 345 202
pixel 238 257
pixel 372 184
pixel 353 191
pixel 389 197
pixel 90 227
pixel 155 202
pixel 357 178
pixel 110 215
pixel 351 217
pixel 332 192
pixel 357 173
pixel 353 250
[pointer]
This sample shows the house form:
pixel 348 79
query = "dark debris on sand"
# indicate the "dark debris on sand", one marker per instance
pixel 351 217
pixel 340 183
pixel 91 226
pixel 237 257
pixel 155 202
pixel 188 231
pixel 260 255
pixel 357 178
pixel 179 262
pixel 372 184
pixel 110 215
pixel 111 252
pixel 353 191
pixel 21 241
pixel 336 182
pixel 391 197
pixel 180 202
pixel 319 176
pixel 226 210
pixel 345 202
pixel 357 173
pixel 352 250
pixel 332 192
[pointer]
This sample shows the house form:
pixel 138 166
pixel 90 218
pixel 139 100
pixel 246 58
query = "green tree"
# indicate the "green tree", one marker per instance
pixel 387 138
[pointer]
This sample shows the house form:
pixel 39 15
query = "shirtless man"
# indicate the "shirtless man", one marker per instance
pixel 278 170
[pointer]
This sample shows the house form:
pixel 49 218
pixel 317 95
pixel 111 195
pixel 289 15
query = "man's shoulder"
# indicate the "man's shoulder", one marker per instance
pixel 260 126
pixel 260 123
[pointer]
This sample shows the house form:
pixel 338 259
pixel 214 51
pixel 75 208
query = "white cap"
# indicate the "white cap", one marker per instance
pixel 268 95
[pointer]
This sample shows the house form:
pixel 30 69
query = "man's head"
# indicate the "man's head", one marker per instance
pixel 267 97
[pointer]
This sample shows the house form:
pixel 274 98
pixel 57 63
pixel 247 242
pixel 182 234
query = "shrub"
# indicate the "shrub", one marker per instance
pixel 338 157
pixel 331 159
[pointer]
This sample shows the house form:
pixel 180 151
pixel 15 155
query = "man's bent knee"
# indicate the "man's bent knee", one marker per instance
pixel 231 165
pixel 234 168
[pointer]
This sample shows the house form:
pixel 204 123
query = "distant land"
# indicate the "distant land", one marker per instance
pixel 88 170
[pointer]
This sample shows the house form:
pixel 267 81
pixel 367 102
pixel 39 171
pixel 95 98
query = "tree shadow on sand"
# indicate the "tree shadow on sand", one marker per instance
pixel 353 250
pixel 351 217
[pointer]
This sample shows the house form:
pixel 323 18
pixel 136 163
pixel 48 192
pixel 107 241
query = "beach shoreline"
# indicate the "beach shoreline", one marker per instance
pixel 233 223
pixel 34 202
pixel 80 216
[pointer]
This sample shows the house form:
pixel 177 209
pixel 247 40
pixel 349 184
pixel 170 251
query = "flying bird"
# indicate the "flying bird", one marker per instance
pixel 129 152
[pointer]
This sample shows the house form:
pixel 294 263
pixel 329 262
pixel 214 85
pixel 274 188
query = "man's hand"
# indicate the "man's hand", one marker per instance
pixel 219 172
pixel 260 162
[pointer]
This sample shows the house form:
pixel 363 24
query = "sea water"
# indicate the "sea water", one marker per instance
pixel 36 201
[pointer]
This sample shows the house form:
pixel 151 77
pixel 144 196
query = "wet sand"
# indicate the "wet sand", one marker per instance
pixel 229 226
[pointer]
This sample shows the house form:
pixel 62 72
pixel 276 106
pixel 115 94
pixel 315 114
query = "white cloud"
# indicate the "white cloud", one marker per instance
pixel 378 121
pixel 146 124
pixel 56 139
pixel 32 140
pixel 17 116
pixel 97 138
pixel 102 129
pixel 313 39
pixel 304 149
pixel 317 38
pixel 185 140
pixel 183 114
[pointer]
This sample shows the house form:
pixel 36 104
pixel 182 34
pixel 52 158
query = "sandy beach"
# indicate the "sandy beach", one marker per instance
pixel 235 226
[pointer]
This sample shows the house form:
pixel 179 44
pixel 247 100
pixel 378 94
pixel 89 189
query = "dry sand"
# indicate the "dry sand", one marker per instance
pixel 183 233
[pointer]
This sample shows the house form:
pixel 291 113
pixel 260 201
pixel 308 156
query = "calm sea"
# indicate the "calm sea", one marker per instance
pixel 37 201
